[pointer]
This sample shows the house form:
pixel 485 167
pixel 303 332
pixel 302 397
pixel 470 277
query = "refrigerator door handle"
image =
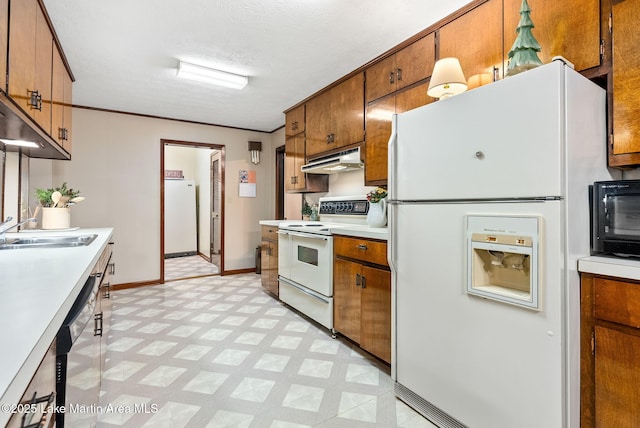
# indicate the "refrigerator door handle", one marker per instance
pixel 391 180
pixel 391 244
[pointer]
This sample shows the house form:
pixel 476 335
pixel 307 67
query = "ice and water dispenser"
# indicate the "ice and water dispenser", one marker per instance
pixel 502 259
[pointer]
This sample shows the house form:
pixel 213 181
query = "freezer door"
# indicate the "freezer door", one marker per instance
pixel 486 363
pixel 502 140
pixel 180 226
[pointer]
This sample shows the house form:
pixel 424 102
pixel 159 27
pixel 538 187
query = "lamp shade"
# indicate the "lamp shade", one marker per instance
pixel 447 79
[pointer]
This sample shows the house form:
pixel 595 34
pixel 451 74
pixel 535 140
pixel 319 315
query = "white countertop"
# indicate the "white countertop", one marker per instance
pixel 274 223
pixel 37 288
pixel 362 231
pixel 356 230
pixel 620 267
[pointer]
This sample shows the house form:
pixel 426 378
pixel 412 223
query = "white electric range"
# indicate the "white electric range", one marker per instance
pixel 305 262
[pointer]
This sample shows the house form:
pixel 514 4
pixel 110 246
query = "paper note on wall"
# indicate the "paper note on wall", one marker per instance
pixel 247 184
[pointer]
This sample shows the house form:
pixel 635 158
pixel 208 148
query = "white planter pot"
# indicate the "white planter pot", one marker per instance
pixel 56 218
pixel 377 215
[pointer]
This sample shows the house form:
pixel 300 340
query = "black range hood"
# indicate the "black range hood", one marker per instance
pixel 16 125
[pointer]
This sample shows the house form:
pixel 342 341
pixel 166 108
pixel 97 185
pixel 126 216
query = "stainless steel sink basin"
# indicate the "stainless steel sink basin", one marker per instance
pixel 47 242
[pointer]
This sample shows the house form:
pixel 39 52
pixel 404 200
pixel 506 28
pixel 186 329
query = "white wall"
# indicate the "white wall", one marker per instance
pixel 116 166
pixel 181 158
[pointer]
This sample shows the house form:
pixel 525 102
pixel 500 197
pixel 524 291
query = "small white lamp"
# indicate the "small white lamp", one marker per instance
pixel 447 79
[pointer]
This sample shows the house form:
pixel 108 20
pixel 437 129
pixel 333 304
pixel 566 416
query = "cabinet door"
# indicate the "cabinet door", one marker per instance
pixel 294 120
pixel 57 98
pixel 415 62
pixel 67 116
pixel 617 378
pixel 4 42
pixel 318 123
pixel 348 111
pixel 381 78
pixel 626 75
pixel 378 125
pixel 42 82
pixel 22 45
pixel 265 265
pixel 375 331
pixel 273 268
pixel 570 28
pixel 475 39
pixel 293 158
pixel 347 280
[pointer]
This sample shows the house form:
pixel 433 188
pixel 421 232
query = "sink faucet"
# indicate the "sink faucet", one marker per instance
pixel 4 228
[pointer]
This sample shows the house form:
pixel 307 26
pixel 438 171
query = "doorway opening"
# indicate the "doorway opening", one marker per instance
pixel 191 209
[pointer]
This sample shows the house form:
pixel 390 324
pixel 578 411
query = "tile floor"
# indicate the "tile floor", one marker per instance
pixel 188 267
pixel 220 352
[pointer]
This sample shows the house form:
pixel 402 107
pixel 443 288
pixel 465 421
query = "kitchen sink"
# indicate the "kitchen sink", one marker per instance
pixel 47 242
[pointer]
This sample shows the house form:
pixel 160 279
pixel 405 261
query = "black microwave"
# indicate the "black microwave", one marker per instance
pixel 615 217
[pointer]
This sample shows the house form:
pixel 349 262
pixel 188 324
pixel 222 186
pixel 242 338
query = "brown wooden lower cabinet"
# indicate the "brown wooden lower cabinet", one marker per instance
pixel 610 352
pixel 269 259
pixel 362 294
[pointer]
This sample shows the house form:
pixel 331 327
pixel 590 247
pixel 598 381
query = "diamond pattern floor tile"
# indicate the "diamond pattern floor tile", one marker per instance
pixel 219 352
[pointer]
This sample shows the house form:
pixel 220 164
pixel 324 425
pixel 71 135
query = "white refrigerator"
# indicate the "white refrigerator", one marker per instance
pixel 180 224
pixel 490 187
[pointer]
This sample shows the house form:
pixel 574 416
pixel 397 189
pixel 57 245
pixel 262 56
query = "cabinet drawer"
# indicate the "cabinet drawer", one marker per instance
pixel 617 301
pixel 361 249
pixel 269 233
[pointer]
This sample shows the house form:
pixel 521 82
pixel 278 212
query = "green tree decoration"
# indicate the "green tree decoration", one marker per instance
pixel 524 52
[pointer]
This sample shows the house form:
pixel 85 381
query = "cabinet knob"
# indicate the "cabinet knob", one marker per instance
pixel 362 247
pixel 358 280
pixel 399 74
pixel 479 155
pixel 392 77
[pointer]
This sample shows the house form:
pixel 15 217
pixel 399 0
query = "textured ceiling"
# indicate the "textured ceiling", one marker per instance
pixel 124 53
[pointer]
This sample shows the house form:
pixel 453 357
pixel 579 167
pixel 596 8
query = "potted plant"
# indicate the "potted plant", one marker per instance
pixel 55 204
pixel 306 210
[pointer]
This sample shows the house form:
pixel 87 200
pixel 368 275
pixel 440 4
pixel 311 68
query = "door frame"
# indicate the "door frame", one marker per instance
pixel 212 201
pixel 196 145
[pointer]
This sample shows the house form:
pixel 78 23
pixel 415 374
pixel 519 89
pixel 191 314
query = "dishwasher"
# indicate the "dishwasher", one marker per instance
pixel 78 359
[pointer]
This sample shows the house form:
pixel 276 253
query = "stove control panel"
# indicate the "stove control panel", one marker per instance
pixel 344 207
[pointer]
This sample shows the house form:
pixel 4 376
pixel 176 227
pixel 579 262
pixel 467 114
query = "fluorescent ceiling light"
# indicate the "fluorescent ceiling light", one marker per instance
pixel 211 76
pixel 21 143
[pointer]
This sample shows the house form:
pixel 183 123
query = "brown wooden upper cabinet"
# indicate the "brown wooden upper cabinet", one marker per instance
pixel 295 181
pixel 475 38
pixel 61 102
pixel 407 66
pixel 30 75
pixel 335 118
pixel 378 125
pixel 294 121
pixel 568 28
pixel 4 42
pixel 624 149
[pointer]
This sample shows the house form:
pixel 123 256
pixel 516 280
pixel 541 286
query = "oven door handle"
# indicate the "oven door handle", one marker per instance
pixel 309 235
pixel 302 289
